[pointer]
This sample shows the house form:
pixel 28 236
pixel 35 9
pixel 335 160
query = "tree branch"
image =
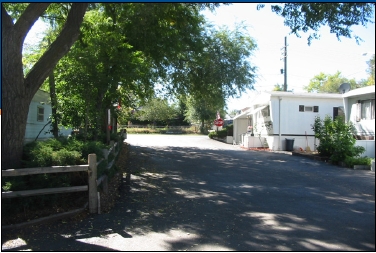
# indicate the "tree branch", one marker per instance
pixel 28 18
pixel 57 49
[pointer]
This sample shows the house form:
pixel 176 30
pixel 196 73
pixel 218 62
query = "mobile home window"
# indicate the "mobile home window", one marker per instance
pixel 308 108
pixel 368 109
pixel 301 108
pixel 265 112
pixel 40 113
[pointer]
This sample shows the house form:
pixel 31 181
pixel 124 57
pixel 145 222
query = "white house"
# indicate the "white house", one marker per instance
pixel 279 118
pixel 359 107
pixel 38 116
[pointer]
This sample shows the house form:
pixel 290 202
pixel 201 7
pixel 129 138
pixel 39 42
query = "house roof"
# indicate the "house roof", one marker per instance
pixel 303 94
pixel 360 91
pixel 41 96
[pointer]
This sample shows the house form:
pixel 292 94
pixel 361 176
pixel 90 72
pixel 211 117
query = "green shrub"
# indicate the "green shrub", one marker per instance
pixel 64 157
pixel 212 134
pixel 351 161
pixel 336 139
pixel 91 148
pixel 218 134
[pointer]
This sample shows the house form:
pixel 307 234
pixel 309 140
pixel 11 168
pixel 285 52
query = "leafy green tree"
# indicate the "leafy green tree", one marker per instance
pixel 18 89
pixel 371 71
pixel 278 87
pixel 204 111
pixel 340 17
pixel 325 83
pixel 157 110
pixel 221 70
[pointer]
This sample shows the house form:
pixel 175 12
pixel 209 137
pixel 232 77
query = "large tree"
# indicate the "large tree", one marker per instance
pixel 17 89
pixel 371 71
pixel 117 57
pixel 221 70
pixel 157 110
pixel 326 83
pixel 310 17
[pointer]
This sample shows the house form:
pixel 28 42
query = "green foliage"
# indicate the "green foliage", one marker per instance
pixel 336 139
pixel 60 152
pixel 340 17
pixel 325 83
pixel 157 109
pixel 223 133
pixel 371 71
pixel 278 87
pixel 351 161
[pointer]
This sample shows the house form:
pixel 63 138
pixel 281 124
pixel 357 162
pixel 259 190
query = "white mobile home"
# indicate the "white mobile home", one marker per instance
pixel 278 118
pixel 38 117
pixel 359 107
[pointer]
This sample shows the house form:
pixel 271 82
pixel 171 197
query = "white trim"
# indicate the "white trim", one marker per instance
pixel 257 110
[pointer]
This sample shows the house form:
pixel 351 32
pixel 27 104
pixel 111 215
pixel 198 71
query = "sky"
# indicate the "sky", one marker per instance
pixel 327 55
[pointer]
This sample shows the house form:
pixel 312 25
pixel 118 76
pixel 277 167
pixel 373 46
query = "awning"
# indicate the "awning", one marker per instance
pixel 257 110
pixel 243 114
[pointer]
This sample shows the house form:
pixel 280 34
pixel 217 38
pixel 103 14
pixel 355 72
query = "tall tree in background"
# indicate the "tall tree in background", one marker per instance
pixel 221 70
pixel 371 71
pixel 325 83
pixel 157 109
pixel 17 89
pixel 340 17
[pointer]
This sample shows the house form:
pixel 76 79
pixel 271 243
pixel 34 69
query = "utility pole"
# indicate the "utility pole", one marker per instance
pixel 284 53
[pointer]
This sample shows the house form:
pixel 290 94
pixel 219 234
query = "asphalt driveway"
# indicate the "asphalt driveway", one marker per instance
pixel 196 194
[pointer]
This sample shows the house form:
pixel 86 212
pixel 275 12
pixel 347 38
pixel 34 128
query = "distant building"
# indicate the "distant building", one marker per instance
pixel 38 118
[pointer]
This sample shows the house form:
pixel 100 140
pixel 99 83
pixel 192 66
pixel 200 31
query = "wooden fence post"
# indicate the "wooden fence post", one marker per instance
pixel 92 180
pixel 105 153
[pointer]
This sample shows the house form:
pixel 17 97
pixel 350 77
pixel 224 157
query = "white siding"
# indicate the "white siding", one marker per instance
pixel 33 126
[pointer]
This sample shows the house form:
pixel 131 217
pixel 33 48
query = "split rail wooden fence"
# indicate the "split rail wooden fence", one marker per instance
pixel 90 168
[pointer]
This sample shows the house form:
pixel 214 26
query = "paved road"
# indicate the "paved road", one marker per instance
pixel 196 194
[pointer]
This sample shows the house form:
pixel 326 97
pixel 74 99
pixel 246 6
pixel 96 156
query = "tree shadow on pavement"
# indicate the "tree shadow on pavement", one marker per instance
pixel 212 200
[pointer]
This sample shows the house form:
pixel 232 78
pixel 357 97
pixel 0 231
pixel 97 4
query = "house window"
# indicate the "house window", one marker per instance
pixel 308 108
pixel 367 109
pixel 338 111
pixel 303 108
pixel 40 113
pixel 265 112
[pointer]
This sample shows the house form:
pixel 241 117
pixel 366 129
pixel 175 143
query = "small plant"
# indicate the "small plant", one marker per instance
pixel 351 161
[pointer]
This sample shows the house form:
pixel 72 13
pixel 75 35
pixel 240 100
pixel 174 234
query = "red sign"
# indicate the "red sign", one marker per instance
pixel 218 122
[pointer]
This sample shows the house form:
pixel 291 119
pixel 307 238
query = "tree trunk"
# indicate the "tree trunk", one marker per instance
pixel 55 118
pixel 17 91
pixel 202 130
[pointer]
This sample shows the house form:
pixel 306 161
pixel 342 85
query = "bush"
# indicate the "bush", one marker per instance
pixel 351 161
pixel 218 134
pixel 336 139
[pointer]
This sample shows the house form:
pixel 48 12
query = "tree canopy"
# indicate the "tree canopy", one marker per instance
pixel 340 17
pixel 165 42
pixel 326 83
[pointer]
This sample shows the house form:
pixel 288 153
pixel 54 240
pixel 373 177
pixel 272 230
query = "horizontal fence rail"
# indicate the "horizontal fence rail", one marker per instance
pixel 43 170
pixel 91 168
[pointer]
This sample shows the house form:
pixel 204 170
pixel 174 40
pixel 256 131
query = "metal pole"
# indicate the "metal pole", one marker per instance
pixel 285 61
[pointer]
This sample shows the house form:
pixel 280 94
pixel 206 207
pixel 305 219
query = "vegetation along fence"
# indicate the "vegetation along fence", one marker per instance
pixel 92 187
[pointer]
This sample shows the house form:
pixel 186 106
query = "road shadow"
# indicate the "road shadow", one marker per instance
pixel 212 200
